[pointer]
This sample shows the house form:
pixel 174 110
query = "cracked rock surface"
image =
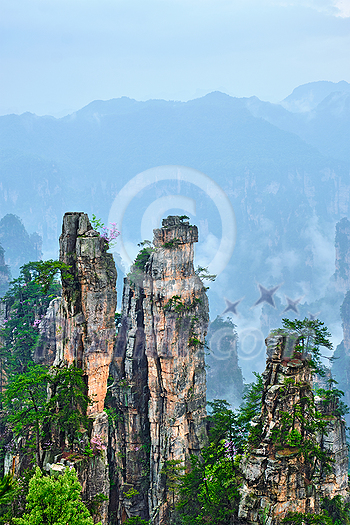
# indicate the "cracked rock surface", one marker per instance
pixel 276 480
pixel 159 369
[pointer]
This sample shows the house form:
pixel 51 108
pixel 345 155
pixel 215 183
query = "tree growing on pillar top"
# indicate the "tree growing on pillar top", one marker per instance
pixel 290 435
pixel 305 339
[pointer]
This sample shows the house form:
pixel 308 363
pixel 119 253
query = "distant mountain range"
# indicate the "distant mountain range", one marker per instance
pixel 285 169
pixel 49 164
pixel 308 96
pixel 319 113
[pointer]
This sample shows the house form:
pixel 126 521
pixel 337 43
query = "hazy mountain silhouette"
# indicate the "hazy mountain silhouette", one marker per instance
pixel 308 96
pixel 326 126
pixel 286 175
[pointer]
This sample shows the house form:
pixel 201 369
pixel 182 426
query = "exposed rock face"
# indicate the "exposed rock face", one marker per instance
pixel 85 330
pixel 2 314
pixel 224 375
pixel 341 363
pixel 5 273
pixel 276 480
pixel 334 442
pixel 45 351
pixel 87 334
pixel 130 435
pixel 95 478
pixel 342 255
pixel 160 372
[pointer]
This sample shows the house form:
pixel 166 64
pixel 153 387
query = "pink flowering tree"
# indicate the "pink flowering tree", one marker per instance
pixel 109 234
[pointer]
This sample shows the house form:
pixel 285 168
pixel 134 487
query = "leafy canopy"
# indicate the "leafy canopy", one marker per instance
pixel 55 501
pixel 32 415
pixel 68 402
pixel 26 303
pixel 306 338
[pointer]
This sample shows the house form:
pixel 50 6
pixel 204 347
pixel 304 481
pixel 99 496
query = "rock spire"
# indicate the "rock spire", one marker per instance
pixel 277 478
pixel 159 368
pixel 86 334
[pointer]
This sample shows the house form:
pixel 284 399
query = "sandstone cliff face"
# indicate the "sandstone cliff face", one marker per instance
pixel 342 255
pixel 334 442
pixel 160 372
pixel 276 479
pixel 341 363
pixel 85 331
pixel 5 273
pixel 86 334
pixel 45 351
pixel 128 405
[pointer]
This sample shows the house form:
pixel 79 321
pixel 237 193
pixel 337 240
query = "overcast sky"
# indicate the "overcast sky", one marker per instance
pixel 59 55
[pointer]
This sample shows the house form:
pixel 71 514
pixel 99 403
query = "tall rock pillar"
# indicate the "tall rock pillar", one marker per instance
pixel 85 329
pixel 277 478
pixel 176 320
pixel 86 335
pixel 160 369
pixel 342 255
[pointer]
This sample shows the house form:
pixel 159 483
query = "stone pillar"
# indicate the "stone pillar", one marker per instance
pixel 85 331
pixel 86 335
pixel 277 479
pixel 160 365
pixel 342 256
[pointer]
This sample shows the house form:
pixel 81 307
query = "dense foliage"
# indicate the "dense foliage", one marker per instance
pixel 24 409
pixel 54 501
pixel 26 303
pixel 42 421
pixel 305 339
pixel 209 492
pixel 33 422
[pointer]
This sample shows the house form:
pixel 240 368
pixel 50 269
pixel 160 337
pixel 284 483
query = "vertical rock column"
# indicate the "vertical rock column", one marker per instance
pixel 160 351
pixel 129 436
pixel 85 329
pixel 276 479
pixel 334 442
pixel 342 256
pixel 5 273
pixel 176 320
pixel 87 334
